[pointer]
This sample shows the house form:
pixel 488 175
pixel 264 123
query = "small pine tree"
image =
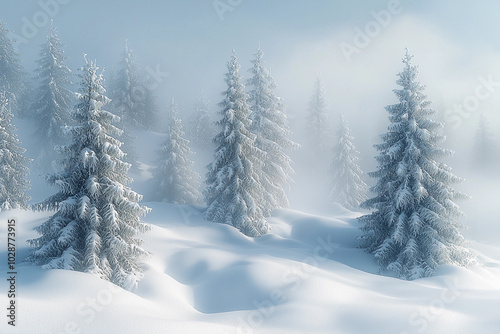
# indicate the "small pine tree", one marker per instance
pixel 317 128
pixel 233 192
pixel 53 100
pixel 13 164
pixel 175 180
pixel 485 147
pixel 413 228
pixel 348 188
pixel 269 124
pixel 98 217
pixel 201 126
pixel 12 74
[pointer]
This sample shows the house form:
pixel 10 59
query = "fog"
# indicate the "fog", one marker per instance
pixel 184 46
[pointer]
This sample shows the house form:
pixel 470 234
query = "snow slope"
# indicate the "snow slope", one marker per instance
pixel 306 276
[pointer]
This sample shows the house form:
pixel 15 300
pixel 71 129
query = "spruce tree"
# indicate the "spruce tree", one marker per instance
pixel 126 92
pixel 269 124
pixel 317 128
pixel 201 126
pixel 414 226
pixel 348 188
pixel 98 217
pixel 175 180
pixel 52 104
pixel 234 193
pixel 12 74
pixel 13 164
pixel 485 147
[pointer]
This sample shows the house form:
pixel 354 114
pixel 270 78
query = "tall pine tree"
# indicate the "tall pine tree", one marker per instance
pixel 485 147
pixel 234 192
pixel 98 217
pixel 201 126
pixel 414 226
pixel 317 126
pixel 53 100
pixel 348 188
pixel 13 164
pixel 175 180
pixel 12 74
pixel 269 124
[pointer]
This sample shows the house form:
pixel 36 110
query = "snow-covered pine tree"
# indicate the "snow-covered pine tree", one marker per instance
pixel 98 217
pixel 348 188
pixel 317 126
pixel 13 164
pixel 414 226
pixel 234 193
pixel 485 147
pixel 52 104
pixel 132 95
pixel 201 126
pixel 12 74
pixel 126 92
pixel 269 124
pixel 175 180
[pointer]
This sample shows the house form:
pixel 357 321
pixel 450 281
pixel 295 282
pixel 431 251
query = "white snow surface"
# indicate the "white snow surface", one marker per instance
pixel 306 276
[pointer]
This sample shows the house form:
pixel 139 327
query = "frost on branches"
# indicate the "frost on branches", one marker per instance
pixel 13 164
pixel 233 192
pixel 269 124
pixel 348 188
pixel 98 217
pixel 414 226
pixel 53 100
pixel 174 178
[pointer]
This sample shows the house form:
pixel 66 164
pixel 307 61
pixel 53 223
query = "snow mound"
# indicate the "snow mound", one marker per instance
pixel 306 276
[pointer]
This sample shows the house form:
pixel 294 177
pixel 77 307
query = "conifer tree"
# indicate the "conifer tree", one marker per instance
pixel 13 164
pixel 414 227
pixel 175 180
pixel 348 188
pixel 98 217
pixel 234 192
pixel 485 147
pixel 269 124
pixel 317 127
pixel 201 126
pixel 126 92
pixel 52 104
pixel 12 74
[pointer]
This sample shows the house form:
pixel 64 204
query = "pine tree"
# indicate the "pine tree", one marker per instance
pixel 485 146
pixel 126 92
pixel 12 74
pixel 348 188
pixel 317 128
pixel 269 124
pixel 53 100
pixel 176 181
pixel 13 164
pixel 201 126
pixel 98 217
pixel 132 95
pixel 414 226
pixel 233 192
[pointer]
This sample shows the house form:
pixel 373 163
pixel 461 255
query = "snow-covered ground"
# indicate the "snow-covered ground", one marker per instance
pixel 306 276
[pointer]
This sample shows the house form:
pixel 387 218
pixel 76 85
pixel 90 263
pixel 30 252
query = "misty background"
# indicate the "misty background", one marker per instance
pixel 189 42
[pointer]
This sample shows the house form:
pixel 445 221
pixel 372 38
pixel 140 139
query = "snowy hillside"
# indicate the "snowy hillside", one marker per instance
pixel 306 276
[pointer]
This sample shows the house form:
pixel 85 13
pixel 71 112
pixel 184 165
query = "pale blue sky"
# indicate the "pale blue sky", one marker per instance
pixel 455 43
